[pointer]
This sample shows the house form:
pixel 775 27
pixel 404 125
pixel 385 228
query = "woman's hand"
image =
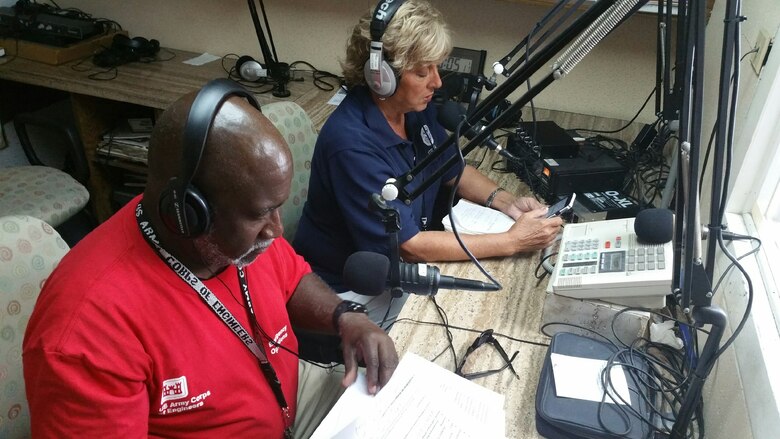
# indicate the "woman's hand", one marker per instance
pixel 521 205
pixel 532 231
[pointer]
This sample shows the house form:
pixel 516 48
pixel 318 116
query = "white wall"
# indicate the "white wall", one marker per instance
pixel 612 81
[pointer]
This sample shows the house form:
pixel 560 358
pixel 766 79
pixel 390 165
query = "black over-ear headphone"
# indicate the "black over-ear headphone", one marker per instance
pixel 248 69
pixel 139 46
pixel 183 209
pixel 125 49
pixel 380 76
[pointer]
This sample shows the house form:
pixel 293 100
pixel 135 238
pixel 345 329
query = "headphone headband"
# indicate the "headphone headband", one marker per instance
pixel 380 76
pixel 202 113
pixel 183 209
pixel 383 13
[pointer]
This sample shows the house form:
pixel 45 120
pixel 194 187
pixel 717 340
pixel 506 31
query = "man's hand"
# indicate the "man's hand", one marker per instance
pixel 363 340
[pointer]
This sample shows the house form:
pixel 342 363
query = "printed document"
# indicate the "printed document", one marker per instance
pixel 422 400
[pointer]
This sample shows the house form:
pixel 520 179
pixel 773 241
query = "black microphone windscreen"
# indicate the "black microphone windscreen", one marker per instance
pixel 450 115
pixel 654 226
pixel 366 273
pixel 452 86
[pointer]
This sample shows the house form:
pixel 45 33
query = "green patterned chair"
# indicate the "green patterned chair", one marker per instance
pixel 29 251
pixel 298 130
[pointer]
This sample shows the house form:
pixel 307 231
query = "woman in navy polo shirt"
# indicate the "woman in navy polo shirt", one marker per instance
pixel 382 128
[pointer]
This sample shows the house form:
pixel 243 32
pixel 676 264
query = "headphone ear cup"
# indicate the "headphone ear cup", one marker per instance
pixel 248 69
pixel 389 79
pixel 143 48
pixel 195 212
pixel 120 41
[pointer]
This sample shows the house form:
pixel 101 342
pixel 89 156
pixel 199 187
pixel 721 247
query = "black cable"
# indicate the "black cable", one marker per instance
pixel 731 265
pixel 319 77
pixel 541 264
pixel 451 201
pixel 472 330
pixel 627 123
pixel 387 313
pixel 446 325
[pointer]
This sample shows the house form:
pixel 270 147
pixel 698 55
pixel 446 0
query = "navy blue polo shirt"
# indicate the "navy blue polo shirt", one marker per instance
pixel 355 154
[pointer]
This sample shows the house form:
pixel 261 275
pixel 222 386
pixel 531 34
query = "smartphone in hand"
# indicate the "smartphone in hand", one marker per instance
pixel 563 205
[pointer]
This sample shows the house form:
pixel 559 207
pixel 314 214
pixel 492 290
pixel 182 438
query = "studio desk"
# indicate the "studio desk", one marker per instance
pixel 99 104
pixel 515 311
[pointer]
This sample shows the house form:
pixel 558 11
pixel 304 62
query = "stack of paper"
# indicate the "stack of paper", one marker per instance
pixel 421 400
pixel 128 141
pixel 473 219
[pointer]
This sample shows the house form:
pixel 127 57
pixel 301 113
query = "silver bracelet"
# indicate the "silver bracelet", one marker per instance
pixel 492 196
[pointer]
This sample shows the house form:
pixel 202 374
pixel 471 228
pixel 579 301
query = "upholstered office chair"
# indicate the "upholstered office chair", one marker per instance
pixel 55 124
pixel 48 194
pixel 298 130
pixel 29 251
pixel 53 188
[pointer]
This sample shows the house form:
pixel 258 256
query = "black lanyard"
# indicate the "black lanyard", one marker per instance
pixel 222 312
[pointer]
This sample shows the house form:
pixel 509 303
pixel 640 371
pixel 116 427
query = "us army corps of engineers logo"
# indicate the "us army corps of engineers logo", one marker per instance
pixel 175 390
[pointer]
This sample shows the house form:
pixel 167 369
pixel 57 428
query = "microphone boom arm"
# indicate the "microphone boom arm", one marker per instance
pixel 515 80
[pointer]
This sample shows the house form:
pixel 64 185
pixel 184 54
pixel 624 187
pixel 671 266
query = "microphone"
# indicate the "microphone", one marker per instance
pixel 452 85
pixel 654 226
pixel 366 273
pixel 451 114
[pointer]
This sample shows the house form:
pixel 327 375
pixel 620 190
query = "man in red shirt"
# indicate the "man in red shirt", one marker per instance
pixel 173 318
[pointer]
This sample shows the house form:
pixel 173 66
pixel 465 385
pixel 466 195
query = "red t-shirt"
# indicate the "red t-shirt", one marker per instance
pixel 119 346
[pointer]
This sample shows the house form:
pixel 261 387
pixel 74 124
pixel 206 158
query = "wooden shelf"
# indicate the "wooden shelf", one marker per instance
pixel 98 105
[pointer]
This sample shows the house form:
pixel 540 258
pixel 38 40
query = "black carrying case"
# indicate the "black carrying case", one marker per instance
pixel 567 418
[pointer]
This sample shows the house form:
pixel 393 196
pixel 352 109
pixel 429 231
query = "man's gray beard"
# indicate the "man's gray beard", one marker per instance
pixel 212 256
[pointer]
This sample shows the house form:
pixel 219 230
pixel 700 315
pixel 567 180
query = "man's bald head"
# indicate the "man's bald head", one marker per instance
pixel 242 148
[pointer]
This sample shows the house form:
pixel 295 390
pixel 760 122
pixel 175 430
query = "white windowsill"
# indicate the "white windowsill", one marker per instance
pixel 758 346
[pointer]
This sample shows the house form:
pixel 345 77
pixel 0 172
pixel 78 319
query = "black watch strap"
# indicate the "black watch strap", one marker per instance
pixel 346 306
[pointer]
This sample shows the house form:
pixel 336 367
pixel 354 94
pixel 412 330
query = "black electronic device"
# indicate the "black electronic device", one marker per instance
pixel 183 208
pixel 603 205
pixel 562 206
pixel 461 60
pixel 461 76
pixel 593 169
pixel 47 25
pixel 546 139
pixel 380 76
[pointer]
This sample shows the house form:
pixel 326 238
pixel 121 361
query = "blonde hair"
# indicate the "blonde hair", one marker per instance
pixel 416 35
